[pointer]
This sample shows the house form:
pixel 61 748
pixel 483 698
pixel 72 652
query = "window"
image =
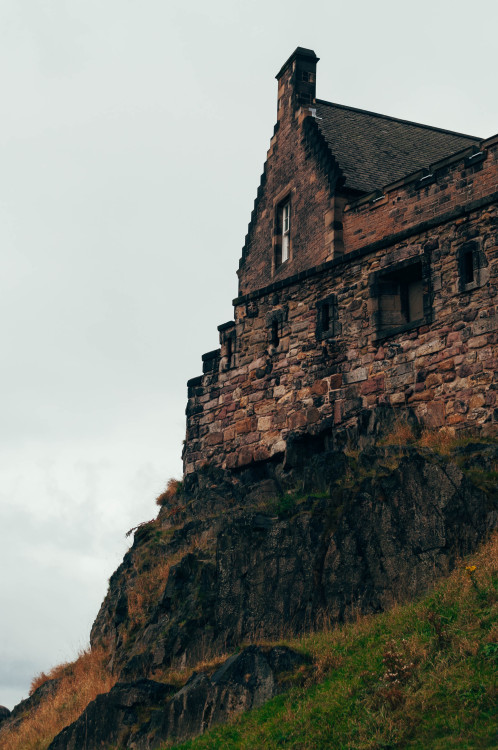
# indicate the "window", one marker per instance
pixel 285 231
pixel 307 76
pixel 229 352
pixel 327 324
pixel 275 324
pixel 471 266
pixel 401 296
pixel 282 233
pixel 275 333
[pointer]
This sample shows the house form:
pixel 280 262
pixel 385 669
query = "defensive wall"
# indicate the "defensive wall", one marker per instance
pixel 404 315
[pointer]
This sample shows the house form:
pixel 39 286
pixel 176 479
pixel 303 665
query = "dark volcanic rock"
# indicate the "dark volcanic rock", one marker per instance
pixel 380 528
pixel 111 718
pixel 4 713
pixel 143 715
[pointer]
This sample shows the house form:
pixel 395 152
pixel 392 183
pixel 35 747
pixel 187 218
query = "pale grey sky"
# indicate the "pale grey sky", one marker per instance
pixel 132 139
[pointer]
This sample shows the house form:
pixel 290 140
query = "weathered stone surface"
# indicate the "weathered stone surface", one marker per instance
pixel 4 713
pixel 453 347
pixel 378 529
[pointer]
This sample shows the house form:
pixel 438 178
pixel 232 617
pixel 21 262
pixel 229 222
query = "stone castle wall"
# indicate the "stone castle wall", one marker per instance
pixel 310 352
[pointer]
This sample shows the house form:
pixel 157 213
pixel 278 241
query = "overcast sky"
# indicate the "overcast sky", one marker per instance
pixel 132 139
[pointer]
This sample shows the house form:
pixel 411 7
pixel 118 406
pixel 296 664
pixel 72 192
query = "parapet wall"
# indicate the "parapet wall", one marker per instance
pixel 406 317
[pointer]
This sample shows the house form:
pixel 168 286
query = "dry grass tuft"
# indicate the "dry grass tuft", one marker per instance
pixel 401 434
pixel 172 490
pixel 79 683
pixel 144 591
pixel 441 441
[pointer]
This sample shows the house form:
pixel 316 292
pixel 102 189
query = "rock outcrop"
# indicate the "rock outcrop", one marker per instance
pixel 278 548
pixel 143 714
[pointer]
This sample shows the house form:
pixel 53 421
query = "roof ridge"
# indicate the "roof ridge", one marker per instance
pixel 399 119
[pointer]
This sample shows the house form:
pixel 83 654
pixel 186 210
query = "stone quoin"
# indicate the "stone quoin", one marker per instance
pixel 368 279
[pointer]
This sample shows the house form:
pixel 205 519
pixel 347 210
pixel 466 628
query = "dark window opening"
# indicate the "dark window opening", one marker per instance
pixel 275 333
pixel 229 352
pixel 402 297
pixel 471 266
pixel 468 267
pixel 306 76
pixel 325 318
pixel 327 324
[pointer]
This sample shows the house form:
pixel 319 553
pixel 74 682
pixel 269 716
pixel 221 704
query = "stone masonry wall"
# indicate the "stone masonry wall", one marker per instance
pixel 292 173
pixel 278 373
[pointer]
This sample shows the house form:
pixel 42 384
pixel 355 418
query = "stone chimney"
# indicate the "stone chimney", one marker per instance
pixel 297 82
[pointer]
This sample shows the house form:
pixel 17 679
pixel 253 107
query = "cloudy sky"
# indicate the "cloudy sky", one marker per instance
pixel 132 138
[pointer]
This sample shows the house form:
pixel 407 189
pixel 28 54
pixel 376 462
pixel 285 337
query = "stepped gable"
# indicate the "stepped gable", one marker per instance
pixel 374 150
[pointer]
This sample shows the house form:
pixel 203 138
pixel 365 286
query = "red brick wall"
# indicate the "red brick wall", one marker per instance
pixel 455 184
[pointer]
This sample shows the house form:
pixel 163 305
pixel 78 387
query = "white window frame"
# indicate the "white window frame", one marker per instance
pixel 286 223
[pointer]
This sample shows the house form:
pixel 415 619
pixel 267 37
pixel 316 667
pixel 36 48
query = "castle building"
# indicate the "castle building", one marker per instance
pixel 368 279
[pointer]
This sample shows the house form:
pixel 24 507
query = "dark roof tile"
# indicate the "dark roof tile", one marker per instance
pixel 374 150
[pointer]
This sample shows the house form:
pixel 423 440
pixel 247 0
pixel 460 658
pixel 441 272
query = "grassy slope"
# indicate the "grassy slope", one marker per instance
pixel 420 676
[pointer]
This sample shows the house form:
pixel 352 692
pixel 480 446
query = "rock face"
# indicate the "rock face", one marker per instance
pixel 251 560
pixel 4 713
pixel 281 547
pixel 143 714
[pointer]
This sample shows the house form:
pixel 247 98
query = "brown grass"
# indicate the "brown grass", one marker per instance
pixel 400 434
pixel 441 441
pixel 144 591
pixel 172 489
pixel 79 683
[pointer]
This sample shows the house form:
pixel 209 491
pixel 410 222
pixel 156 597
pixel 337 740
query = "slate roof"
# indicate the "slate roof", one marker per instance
pixel 374 150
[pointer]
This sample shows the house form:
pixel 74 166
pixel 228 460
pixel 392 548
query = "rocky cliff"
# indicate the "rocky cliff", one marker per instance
pixel 273 550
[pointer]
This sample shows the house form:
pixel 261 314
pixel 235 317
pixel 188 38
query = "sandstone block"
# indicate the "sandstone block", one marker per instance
pixel 264 423
pixel 356 376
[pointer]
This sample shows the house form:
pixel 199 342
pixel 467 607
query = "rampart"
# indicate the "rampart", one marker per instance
pixel 406 316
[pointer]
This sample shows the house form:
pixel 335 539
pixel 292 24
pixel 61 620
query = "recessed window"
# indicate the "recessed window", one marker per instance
pixel 471 266
pixel 327 323
pixel 307 76
pixel 229 352
pixel 285 231
pixel 275 320
pixel 282 246
pixel 275 333
pixel 401 297
pixel 468 271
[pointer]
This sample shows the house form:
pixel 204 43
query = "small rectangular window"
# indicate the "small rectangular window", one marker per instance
pixel 275 333
pixel 468 267
pixel 282 242
pixel 471 266
pixel 285 232
pixel 327 318
pixel 402 298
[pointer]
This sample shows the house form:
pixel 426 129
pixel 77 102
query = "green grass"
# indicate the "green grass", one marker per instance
pixel 420 676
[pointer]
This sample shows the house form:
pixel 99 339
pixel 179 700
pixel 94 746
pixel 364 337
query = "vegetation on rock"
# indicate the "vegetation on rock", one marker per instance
pixel 283 549
pixel 420 676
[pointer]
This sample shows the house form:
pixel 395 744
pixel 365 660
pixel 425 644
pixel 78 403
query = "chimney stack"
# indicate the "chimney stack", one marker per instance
pixel 297 81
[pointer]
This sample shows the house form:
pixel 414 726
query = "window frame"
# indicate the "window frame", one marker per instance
pixel 471 248
pixel 327 318
pixel 282 232
pixel 399 273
